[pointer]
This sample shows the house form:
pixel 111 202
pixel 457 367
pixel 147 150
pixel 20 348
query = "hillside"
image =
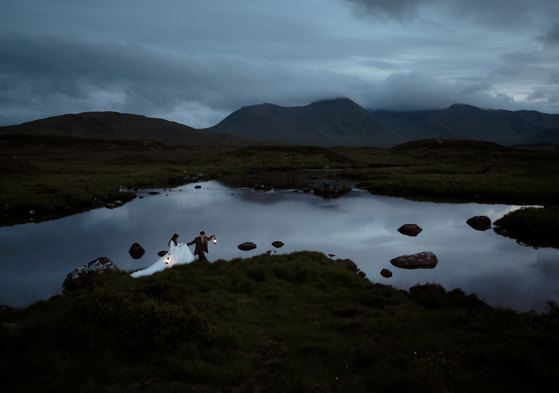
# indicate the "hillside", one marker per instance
pixel 461 121
pixel 114 125
pixel 323 123
pixel 299 322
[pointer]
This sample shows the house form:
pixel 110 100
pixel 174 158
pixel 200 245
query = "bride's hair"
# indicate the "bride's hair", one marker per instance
pixel 174 240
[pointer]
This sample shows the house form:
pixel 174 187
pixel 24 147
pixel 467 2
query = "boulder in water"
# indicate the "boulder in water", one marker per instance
pixel 479 223
pixel 136 251
pixel 246 246
pixel 422 260
pixel 386 273
pixel 410 230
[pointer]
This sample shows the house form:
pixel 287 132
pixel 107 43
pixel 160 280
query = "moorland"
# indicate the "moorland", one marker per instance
pixel 299 322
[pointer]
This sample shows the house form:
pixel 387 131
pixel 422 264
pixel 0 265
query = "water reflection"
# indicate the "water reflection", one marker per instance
pixel 35 258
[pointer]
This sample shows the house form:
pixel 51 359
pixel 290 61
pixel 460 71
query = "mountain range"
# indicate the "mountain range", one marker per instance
pixel 343 122
pixel 336 122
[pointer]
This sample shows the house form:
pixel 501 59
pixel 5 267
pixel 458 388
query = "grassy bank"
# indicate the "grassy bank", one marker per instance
pixel 533 226
pixel 57 176
pixel 460 171
pixel 299 322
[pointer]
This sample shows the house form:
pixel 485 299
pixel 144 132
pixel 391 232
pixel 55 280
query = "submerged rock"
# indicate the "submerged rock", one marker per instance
pixel 246 246
pixel 82 277
pixel 479 223
pixel 422 260
pixel 410 230
pixel 136 251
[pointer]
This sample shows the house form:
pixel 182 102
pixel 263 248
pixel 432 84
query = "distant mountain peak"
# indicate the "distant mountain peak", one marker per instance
pixel 338 121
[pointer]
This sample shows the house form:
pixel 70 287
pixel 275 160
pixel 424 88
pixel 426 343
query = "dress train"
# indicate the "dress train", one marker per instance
pixel 177 255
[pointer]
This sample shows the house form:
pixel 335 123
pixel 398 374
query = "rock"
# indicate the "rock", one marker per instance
pixel 410 229
pixel 386 273
pixel 422 260
pixel 136 251
pixel 501 231
pixel 277 244
pixel 153 193
pixel 330 190
pixel 198 187
pixel 246 246
pixel 270 252
pixel 83 277
pixel 261 187
pixel 331 255
pixel 161 253
pixel 480 223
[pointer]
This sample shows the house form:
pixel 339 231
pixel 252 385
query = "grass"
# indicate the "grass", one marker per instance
pixel 460 171
pixel 536 227
pixel 299 322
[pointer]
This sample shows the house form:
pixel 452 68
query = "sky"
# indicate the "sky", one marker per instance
pixel 197 61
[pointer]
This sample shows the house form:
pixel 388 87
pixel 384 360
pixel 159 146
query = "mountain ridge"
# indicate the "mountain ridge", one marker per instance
pixel 115 125
pixel 463 121
pixel 338 121
pixel 341 121
pixel 332 122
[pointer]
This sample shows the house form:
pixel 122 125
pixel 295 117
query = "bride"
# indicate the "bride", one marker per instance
pixel 178 254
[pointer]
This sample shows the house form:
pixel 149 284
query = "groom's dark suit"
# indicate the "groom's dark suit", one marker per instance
pixel 201 247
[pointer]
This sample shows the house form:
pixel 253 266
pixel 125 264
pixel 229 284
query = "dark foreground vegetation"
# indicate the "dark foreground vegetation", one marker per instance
pixel 299 322
pixel 45 177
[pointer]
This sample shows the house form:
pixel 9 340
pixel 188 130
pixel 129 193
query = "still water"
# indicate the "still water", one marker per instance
pixel 35 258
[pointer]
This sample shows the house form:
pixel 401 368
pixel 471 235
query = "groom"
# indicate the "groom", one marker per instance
pixel 201 245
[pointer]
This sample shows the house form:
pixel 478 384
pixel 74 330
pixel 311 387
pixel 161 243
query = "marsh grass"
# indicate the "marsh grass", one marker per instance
pixel 285 323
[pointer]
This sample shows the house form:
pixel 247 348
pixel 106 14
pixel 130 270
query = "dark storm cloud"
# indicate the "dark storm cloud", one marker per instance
pixel 551 36
pixel 399 9
pixel 197 61
pixel 398 92
pixel 62 75
pixel 512 14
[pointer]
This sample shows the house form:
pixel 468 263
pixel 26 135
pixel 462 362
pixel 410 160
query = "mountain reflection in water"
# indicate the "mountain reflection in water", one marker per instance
pixel 35 258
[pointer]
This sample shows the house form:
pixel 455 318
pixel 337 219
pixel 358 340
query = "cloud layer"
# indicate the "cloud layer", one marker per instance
pixel 195 62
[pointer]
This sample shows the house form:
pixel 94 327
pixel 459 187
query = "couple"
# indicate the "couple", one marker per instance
pixel 178 254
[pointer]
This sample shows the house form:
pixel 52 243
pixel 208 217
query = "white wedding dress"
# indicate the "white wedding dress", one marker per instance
pixel 177 255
